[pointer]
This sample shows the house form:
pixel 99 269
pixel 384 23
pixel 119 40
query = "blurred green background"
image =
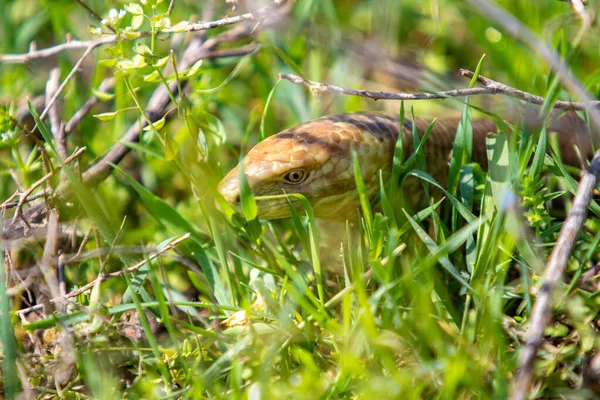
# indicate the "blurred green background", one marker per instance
pixel 409 330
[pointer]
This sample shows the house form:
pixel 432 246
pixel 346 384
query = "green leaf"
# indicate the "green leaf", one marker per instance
pixel 136 22
pixel 154 76
pixel 103 96
pixel 161 62
pixel 249 206
pixel 440 252
pixel 156 126
pixel 142 50
pixel 134 9
pixel 477 71
pixel 464 211
pixel 193 70
pixel 263 135
pixel 107 116
pixel 8 342
pixel 362 194
pixel 179 225
pixel 171 148
pixel 178 27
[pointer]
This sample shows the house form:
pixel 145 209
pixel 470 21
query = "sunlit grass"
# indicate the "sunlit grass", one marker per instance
pixel 402 302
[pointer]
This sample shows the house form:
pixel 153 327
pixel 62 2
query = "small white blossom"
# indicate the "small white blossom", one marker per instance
pixel 144 2
pixel 113 14
pixel 122 13
pixel 5 136
pixel 98 31
pixel 104 21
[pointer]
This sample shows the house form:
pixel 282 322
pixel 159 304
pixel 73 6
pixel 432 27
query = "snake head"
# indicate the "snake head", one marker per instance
pixel 315 160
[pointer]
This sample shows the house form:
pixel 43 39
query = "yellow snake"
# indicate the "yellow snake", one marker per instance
pixel 316 159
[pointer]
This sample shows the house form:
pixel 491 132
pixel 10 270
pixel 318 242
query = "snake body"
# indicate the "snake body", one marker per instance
pixel 316 159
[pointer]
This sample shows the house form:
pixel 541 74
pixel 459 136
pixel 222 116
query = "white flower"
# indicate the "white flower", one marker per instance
pixel 104 21
pixel 144 2
pixel 113 14
pixel 5 136
pixel 98 31
pixel 122 13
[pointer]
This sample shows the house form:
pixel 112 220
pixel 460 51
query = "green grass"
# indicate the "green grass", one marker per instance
pixel 429 303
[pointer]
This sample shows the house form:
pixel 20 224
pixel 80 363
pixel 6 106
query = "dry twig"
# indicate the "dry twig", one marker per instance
pixel 589 275
pixel 93 13
pixel 55 124
pixel 516 29
pixel 104 277
pixel 542 309
pixel 159 102
pixel 491 87
pixel 75 68
pixel 106 85
pixel 23 197
pixel 86 44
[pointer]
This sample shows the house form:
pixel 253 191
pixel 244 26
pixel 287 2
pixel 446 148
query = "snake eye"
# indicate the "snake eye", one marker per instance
pixel 295 176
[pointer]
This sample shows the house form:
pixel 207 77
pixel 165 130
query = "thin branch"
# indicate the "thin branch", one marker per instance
pixel 106 85
pixel 93 13
pixel 8 203
pixel 54 50
pixel 105 277
pixel 170 9
pixel 579 7
pixel 55 124
pixel 23 197
pixel 589 275
pixel 75 68
pixel 517 30
pixel 542 309
pixel 158 104
pixel 109 83
pixel 86 44
pixel 501 88
pixel 491 87
pixel 156 108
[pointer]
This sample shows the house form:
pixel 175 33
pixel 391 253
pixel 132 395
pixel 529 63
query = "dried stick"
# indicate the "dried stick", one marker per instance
pixel 105 277
pixel 517 30
pixel 54 50
pixel 588 275
pixel 196 50
pixel 75 68
pixel 491 87
pixel 55 125
pixel 171 5
pixel 86 44
pixel 158 103
pixel 23 197
pixel 8 203
pixel 542 309
pixel 109 83
pixel 579 7
pixel 106 85
pixel 93 13
pixel 501 88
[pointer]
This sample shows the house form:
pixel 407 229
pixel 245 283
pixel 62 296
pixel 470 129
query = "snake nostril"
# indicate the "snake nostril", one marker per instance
pixel 237 199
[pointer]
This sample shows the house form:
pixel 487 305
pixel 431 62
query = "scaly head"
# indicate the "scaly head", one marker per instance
pixel 315 159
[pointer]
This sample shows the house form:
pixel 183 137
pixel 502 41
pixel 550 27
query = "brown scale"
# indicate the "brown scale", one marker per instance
pixel 321 151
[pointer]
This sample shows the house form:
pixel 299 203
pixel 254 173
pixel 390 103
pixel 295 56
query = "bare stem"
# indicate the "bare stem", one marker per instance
pixel 490 87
